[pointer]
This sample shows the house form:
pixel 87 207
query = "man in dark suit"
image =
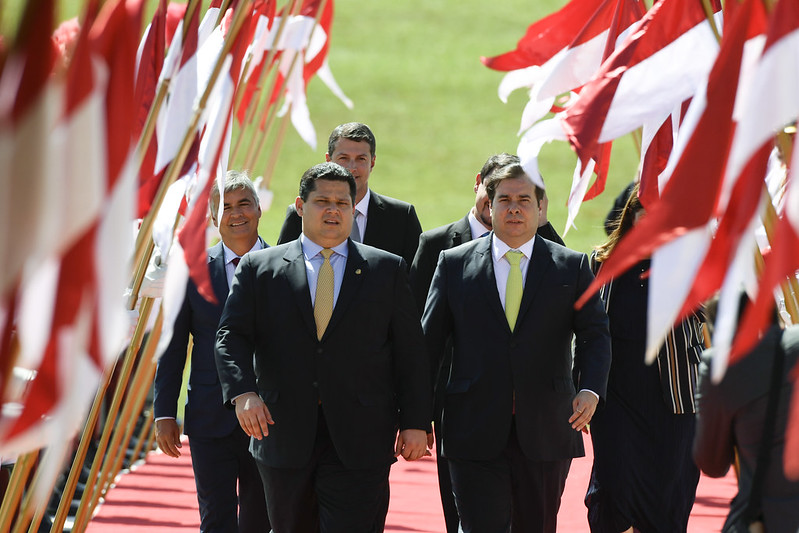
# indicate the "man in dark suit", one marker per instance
pixel 512 414
pixel 477 223
pixel 380 221
pixel 219 447
pixel 339 365
pixel 730 416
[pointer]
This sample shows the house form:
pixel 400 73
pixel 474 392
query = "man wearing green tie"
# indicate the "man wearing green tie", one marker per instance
pixel 516 397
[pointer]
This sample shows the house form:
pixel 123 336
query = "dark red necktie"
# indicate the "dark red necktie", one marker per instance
pixel 235 261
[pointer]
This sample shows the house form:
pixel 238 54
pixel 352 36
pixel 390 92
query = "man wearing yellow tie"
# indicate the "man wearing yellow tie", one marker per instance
pixel 516 398
pixel 339 364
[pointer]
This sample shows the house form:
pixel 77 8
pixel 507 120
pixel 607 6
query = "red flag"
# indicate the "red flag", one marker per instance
pixel 546 37
pixel 686 203
pixel 151 62
pixel 645 78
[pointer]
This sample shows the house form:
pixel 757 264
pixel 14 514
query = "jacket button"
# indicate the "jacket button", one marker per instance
pixel 319 351
pixel 315 384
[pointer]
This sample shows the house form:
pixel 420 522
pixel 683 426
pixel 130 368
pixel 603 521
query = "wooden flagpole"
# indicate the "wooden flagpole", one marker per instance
pixel 268 68
pixel 122 381
pixel 144 237
pixel 16 485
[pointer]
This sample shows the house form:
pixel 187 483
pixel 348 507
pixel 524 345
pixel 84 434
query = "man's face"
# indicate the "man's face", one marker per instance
pixel 482 207
pixel 240 215
pixel 327 215
pixel 355 157
pixel 515 211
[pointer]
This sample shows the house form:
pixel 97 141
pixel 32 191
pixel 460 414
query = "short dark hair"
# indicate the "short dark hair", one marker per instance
pixel 354 131
pixel 512 171
pixel 497 161
pixel 325 171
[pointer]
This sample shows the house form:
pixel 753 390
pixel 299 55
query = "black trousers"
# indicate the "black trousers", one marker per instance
pixel 509 492
pixel 219 466
pixel 325 496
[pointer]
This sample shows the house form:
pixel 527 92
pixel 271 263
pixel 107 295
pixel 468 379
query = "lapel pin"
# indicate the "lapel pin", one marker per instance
pixel 358 271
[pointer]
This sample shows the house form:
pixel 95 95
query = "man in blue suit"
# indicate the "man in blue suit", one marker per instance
pixel 219 447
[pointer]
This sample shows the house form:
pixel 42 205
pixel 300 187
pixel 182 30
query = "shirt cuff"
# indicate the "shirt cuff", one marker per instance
pixel 592 392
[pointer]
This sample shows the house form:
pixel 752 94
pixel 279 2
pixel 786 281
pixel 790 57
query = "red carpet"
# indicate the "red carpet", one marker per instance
pixel 159 496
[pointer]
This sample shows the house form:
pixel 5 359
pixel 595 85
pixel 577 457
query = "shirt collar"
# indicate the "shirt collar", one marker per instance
pixel 477 227
pixel 363 206
pixel 230 255
pixel 310 249
pixel 499 248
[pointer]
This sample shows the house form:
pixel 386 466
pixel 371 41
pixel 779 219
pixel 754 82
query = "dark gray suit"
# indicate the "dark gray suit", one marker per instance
pixel 431 244
pixel 490 363
pixel 730 415
pixel 219 446
pixel 392 225
pixel 367 376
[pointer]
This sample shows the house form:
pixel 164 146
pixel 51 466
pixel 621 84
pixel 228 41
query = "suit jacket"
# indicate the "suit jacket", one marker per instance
pixel 391 225
pixel 206 415
pixel 431 244
pixel 369 371
pixel 490 363
pixel 730 415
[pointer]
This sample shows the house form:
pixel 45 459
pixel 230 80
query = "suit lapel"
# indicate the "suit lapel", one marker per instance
pixel 461 231
pixel 355 272
pixel 216 269
pixel 297 279
pixel 373 226
pixel 540 262
pixel 484 265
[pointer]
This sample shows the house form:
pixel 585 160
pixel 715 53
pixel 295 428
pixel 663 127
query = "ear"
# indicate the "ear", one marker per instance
pixel 372 166
pixel 327 157
pixel 298 203
pixel 477 181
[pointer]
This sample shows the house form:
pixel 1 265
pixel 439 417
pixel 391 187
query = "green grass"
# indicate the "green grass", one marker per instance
pixel 412 69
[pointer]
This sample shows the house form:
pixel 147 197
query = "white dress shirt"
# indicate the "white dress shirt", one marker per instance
pixel 362 213
pixel 502 266
pixel 230 255
pixel 477 227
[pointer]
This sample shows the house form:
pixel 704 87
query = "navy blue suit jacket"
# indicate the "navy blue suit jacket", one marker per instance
pixel 206 416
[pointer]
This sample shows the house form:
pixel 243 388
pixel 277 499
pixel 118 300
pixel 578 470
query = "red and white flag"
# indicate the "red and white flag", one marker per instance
pixel 766 113
pixel 654 70
pixel 679 225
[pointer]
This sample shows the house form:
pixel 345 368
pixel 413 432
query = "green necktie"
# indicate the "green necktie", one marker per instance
pixel 323 302
pixel 513 290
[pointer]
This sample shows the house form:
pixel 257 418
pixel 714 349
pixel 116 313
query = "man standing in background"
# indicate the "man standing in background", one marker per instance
pixel 380 221
pixel 219 447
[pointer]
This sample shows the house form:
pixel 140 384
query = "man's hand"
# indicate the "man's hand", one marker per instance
pixel 167 435
pixel 584 405
pixel 412 444
pixel 253 415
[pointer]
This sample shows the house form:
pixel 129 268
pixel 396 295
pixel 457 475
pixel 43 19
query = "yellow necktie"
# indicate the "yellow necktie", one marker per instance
pixel 323 303
pixel 513 290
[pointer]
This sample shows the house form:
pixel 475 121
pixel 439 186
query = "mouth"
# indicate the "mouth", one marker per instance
pixel 238 224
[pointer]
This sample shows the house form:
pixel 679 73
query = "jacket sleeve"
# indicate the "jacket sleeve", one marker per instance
pixel 422 270
pixel 410 358
pixel 437 320
pixel 413 228
pixel 592 352
pixel 714 442
pixel 169 372
pixel 235 338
